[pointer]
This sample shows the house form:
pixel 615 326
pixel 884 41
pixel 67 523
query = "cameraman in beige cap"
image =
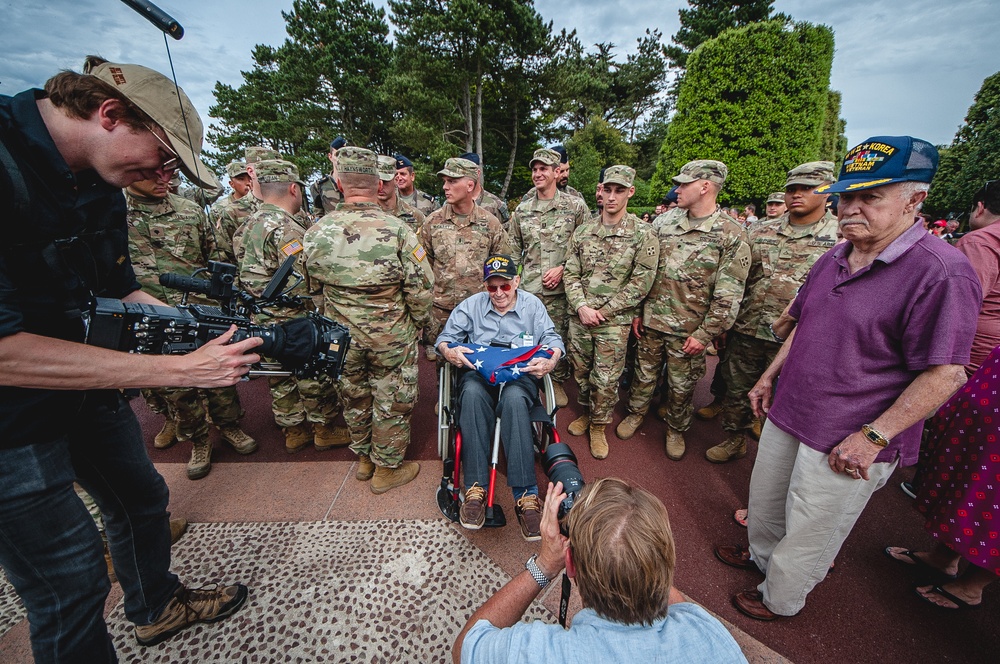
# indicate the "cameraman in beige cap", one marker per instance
pixel 66 152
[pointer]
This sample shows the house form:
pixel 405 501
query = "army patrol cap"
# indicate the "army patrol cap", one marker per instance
pixel 257 153
pixel 812 174
pixel 703 169
pixel 623 175
pixel 236 168
pixel 386 168
pixel 883 160
pixel 459 168
pixel 500 265
pixel 277 170
pixel 546 156
pixel 776 197
pixel 168 106
pixel 357 160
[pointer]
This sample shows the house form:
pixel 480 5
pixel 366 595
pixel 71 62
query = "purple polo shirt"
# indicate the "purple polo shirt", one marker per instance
pixel 862 338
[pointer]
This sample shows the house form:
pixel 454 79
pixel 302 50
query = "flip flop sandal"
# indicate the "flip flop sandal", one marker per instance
pixel 918 564
pixel 960 605
pixel 741 521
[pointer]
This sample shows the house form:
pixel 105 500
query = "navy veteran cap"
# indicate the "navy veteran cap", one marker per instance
pixel 402 162
pixel 500 265
pixel 883 160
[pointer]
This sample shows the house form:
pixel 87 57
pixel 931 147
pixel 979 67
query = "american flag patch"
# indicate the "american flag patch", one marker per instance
pixel 419 253
pixel 292 248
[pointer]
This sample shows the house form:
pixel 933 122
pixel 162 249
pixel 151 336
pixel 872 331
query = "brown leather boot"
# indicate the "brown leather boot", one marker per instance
pixel 167 436
pixel 298 437
pixel 579 426
pixel 366 468
pixel 178 527
pixel 327 437
pixel 390 478
pixel 598 442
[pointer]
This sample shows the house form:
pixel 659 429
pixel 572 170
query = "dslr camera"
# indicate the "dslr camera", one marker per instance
pixel 304 347
pixel 559 464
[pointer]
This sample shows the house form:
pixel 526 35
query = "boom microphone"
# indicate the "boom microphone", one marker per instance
pixel 157 17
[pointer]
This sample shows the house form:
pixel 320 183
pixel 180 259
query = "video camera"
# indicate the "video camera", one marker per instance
pixel 304 347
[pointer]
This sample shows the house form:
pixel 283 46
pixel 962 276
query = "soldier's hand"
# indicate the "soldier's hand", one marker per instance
pixel 219 363
pixel 693 347
pixel 552 277
pixel 760 396
pixel 637 327
pixel 590 317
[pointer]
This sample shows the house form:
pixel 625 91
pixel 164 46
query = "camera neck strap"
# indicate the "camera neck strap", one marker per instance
pixel 567 587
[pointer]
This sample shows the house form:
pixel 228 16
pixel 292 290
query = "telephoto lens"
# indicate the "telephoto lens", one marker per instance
pixel 559 464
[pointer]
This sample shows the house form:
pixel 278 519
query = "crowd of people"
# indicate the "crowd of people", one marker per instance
pixel 408 277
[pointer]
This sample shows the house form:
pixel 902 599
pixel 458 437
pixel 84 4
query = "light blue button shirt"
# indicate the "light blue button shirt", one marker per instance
pixel 476 321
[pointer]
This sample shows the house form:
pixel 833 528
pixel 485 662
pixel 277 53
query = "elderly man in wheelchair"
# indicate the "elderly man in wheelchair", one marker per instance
pixel 503 316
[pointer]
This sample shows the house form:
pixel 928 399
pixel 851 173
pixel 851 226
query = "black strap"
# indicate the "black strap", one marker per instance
pixel 21 200
pixel 567 587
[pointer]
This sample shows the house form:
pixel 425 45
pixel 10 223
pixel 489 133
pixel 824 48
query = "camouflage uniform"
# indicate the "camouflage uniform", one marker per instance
pixel 457 246
pixel 699 283
pixel 173 235
pixel 539 235
pixel 610 269
pixel 228 214
pixel 269 237
pixel 325 195
pixel 533 193
pixel 413 217
pixel 781 256
pixel 375 279
pixel 495 206
pixel 419 200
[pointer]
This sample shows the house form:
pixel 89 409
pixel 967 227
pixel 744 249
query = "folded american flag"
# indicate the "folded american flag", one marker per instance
pixel 499 365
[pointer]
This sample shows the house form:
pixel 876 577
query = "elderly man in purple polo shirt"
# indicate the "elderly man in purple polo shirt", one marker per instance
pixel 885 324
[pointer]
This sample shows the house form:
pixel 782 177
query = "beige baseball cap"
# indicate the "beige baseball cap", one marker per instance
pixel 168 106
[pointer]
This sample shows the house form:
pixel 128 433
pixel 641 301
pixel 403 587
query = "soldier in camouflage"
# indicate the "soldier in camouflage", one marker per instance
pixel 540 230
pixel 484 199
pixel 406 191
pixel 324 192
pixel 610 266
pixel 389 201
pixel 304 408
pixel 782 252
pixel 229 213
pixel 703 263
pixel 775 206
pixel 371 274
pixel 458 238
pixel 168 233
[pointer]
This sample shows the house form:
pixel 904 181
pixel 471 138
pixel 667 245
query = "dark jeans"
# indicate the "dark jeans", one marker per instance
pixel 478 408
pixel 51 549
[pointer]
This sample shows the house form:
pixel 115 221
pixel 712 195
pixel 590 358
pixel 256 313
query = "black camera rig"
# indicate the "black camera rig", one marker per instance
pixel 304 347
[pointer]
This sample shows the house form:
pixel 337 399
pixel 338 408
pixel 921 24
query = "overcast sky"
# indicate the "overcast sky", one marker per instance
pixel 903 66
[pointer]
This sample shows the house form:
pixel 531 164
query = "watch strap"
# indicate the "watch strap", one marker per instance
pixel 874 435
pixel 536 572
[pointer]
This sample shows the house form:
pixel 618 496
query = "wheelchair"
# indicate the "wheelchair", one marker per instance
pixel 543 420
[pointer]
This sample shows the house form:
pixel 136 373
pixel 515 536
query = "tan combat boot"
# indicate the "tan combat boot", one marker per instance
pixel 711 411
pixel 562 400
pixel 201 459
pixel 662 411
pixel 755 429
pixel 675 444
pixel 298 437
pixel 627 427
pixel 598 442
pixel 389 478
pixel 328 437
pixel 733 447
pixel 579 426
pixel 167 436
pixel 365 468
pixel 239 439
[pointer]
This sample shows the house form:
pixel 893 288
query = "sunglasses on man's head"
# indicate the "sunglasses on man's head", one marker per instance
pixel 503 287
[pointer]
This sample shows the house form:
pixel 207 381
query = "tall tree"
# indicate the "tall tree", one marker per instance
pixel 755 98
pixel 973 156
pixel 707 19
pixel 325 80
pixel 593 147
pixel 834 141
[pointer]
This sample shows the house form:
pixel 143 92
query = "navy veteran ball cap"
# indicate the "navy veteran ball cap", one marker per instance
pixel 883 160
pixel 499 265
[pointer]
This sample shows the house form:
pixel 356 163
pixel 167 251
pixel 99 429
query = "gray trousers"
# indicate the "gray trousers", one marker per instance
pixel 800 513
pixel 478 408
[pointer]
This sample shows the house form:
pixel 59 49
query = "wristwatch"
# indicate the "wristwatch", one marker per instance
pixel 874 436
pixel 536 572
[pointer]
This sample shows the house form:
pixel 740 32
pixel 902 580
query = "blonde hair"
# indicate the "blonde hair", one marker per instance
pixel 623 551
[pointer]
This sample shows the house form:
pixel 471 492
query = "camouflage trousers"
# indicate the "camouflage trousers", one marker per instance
pixel 379 391
pixel 743 362
pixel 557 307
pixel 682 375
pixel 439 317
pixel 598 358
pixel 298 400
pixel 190 408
